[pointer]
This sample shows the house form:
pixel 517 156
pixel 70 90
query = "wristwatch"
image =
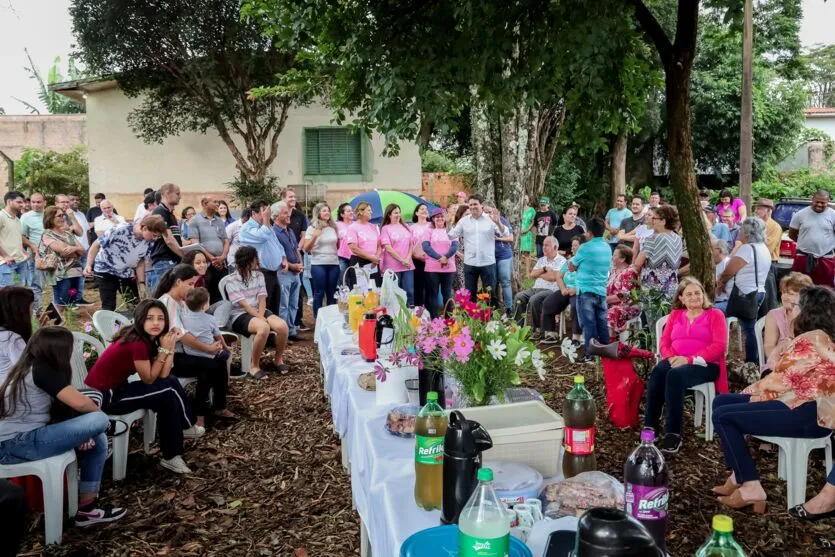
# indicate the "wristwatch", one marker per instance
pixel 165 351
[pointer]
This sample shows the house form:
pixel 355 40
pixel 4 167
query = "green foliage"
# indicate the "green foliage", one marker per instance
pixel 814 134
pixel 562 184
pixel 245 191
pixel 436 161
pixel 51 173
pixel 54 102
pixel 821 61
pixel 800 183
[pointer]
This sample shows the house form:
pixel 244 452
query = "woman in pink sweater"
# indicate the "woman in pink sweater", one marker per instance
pixel 693 347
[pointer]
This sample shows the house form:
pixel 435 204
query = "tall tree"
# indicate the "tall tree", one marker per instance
pixel 821 60
pixel 193 64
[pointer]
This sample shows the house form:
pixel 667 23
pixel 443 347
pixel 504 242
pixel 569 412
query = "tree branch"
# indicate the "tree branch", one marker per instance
pixel 653 30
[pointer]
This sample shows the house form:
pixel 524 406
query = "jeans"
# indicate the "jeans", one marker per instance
pixel 419 294
pixel 211 375
pixel 306 276
pixel 164 396
pixel 752 354
pixel 10 273
pixel 406 281
pixel 553 306
pixel 540 252
pixel 66 291
pixel 288 305
pixel 273 290
pixel 343 264
pixel 734 417
pixel 435 281
pixel 158 269
pixel 667 384
pixel 34 280
pixel 487 274
pixel 81 282
pixel 504 270
pixel 533 297
pixel 54 439
pixel 721 305
pixel 325 279
pixel 592 309
pixel 110 285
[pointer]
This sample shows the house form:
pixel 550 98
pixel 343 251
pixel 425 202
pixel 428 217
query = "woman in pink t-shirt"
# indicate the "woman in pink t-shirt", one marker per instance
pixel 440 262
pixel 345 218
pixel 364 242
pixel 396 242
pixel 420 223
pixel 736 205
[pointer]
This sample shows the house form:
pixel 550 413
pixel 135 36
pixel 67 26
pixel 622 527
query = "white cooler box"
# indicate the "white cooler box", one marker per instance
pixel 525 432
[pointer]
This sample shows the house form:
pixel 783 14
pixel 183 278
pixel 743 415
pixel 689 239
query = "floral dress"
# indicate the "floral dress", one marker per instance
pixel 663 258
pixel 620 284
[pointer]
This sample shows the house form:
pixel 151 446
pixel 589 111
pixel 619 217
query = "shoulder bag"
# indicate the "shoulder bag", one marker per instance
pixel 744 306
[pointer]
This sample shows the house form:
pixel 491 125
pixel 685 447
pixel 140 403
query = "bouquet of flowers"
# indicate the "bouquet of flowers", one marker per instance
pixel 483 351
pixel 406 324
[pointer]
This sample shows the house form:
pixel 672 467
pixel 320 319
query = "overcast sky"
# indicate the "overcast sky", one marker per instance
pixel 44 27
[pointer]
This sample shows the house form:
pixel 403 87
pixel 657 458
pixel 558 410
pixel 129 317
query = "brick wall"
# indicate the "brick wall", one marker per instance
pixel 55 132
pixel 440 188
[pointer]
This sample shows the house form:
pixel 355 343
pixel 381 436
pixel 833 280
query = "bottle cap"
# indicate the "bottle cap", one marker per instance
pixel 486 475
pixel 579 379
pixel 647 435
pixel 432 395
pixel 723 523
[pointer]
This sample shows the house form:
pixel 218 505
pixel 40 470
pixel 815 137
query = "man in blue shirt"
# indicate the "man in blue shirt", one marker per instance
pixel 717 229
pixel 257 232
pixel 614 217
pixel 288 276
pixel 592 263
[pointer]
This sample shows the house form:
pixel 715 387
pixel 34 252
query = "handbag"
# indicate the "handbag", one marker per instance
pixel 49 262
pixel 744 306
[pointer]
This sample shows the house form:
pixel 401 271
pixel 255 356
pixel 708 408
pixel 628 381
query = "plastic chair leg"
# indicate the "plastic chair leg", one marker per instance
pixel 72 488
pixel 711 394
pixel 53 504
pixel 827 451
pixel 246 354
pixel 781 464
pixel 120 456
pixel 797 477
pixel 150 430
pixel 700 401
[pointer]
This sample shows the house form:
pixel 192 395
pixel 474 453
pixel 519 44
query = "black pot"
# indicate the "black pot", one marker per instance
pixel 431 380
pixel 613 533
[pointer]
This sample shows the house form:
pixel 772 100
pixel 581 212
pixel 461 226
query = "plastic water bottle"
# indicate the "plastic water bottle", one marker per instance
pixel 721 542
pixel 484 530
pixel 645 482
pixel 579 412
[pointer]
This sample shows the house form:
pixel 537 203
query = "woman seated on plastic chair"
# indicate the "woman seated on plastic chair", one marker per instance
pixel 796 400
pixel 41 376
pixel 147 348
pixel 693 347
pixel 779 322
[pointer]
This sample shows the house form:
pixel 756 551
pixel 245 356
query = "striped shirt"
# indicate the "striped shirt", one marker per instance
pixel 249 291
pixel 592 261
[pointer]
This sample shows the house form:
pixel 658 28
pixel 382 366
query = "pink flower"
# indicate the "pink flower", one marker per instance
pixel 463 347
pixel 380 372
pixel 88 327
pixel 73 292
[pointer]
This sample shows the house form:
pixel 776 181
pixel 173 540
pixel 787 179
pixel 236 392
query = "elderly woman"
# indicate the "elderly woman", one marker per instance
pixel 693 348
pixel 621 281
pixel 59 255
pixel 779 322
pixel 796 400
pixel 748 270
pixel 659 256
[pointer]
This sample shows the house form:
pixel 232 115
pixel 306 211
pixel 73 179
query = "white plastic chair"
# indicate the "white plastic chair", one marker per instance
pixel 793 463
pixel 759 332
pixel 51 472
pixel 120 442
pixel 704 392
pixel 246 342
pixel 634 323
pixel 107 323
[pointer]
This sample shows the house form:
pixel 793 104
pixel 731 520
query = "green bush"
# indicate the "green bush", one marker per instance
pixel 433 161
pixel 51 173
pixel 800 183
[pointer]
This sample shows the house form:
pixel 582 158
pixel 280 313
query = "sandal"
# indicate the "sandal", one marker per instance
pixel 726 489
pixel 283 369
pixel 735 501
pixel 260 374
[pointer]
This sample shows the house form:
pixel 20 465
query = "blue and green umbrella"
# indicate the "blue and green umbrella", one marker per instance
pixel 380 199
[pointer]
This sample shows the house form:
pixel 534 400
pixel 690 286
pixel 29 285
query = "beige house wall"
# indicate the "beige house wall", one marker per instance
pixel 122 166
pixel 51 132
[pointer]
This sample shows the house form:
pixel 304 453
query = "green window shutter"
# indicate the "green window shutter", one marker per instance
pixel 332 151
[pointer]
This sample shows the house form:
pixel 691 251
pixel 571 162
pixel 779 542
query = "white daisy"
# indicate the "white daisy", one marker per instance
pixel 538 363
pixel 521 356
pixel 492 327
pixel 497 349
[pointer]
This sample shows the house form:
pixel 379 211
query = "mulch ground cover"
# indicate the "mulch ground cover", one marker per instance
pixel 271 482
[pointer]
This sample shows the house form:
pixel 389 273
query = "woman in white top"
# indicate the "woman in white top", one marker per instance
pixel 748 270
pixel 321 243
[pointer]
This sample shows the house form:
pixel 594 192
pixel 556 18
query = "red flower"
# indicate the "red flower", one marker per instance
pixel 73 292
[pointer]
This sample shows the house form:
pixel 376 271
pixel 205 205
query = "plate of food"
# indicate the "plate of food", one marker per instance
pixel 401 421
pixel 367 381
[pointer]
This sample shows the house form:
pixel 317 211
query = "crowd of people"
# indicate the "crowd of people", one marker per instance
pixel 193 275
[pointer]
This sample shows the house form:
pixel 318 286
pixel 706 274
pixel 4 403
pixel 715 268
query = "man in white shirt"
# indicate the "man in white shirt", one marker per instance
pixel 545 273
pixel 107 220
pixel 142 209
pixel 478 232
pixel 813 228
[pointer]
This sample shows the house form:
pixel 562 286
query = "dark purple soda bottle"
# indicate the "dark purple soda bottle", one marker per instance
pixel 645 482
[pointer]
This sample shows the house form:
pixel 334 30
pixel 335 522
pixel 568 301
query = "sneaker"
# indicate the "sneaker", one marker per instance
pixel 303 328
pixel 89 515
pixel 588 360
pixel 536 335
pixel 176 465
pixel 194 432
pixel 550 338
pixel 672 443
pixel 83 302
pixel 294 338
pixel 236 372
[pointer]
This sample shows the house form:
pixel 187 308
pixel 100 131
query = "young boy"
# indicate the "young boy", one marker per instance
pixel 209 367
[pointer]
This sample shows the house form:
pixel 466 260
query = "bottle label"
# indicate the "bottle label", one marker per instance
pixel 646 502
pixel 429 450
pixel 468 546
pixel 579 441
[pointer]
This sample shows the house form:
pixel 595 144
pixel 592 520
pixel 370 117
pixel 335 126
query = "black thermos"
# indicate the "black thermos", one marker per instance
pixel 431 380
pixel 464 442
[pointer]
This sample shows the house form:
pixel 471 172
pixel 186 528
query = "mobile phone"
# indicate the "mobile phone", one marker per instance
pixel 53 314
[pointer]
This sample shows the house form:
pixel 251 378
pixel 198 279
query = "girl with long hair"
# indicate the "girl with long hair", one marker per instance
pixel 397 245
pixel 420 224
pixel 224 213
pixel 16 303
pixel 147 348
pixel 345 218
pixel 363 239
pixel 321 241
pixel 28 398
pixel 197 259
pixel 440 252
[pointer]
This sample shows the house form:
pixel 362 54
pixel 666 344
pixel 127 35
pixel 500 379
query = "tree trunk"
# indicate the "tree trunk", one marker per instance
pixel 746 139
pixel 485 151
pixel 682 177
pixel 618 168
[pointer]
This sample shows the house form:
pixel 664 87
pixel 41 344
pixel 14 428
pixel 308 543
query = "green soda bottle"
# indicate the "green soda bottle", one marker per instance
pixel 430 429
pixel 721 542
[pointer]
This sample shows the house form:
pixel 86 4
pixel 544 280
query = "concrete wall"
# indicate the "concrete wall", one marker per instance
pixel 52 132
pixel 122 166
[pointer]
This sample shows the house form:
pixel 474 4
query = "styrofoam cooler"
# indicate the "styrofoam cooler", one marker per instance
pixel 525 432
